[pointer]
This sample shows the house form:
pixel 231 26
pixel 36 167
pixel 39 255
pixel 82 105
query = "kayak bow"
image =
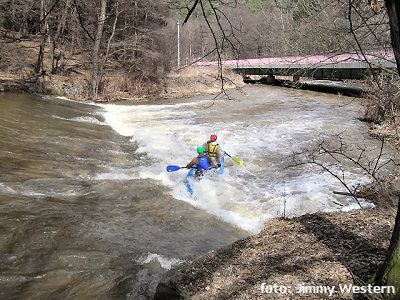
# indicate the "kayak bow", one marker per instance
pixel 190 176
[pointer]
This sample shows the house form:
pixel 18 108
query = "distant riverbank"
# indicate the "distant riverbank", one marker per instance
pixel 18 58
pixel 183 83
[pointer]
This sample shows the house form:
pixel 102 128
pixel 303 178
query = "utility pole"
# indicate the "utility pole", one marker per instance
pixel 179 46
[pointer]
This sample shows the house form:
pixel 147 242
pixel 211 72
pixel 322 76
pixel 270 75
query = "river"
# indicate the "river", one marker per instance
pixel 88 210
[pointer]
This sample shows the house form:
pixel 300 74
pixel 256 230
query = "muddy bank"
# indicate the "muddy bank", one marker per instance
pixel 59 86
pixel 9 85
pixel 184 83
pixel 200 80
pixel 318 249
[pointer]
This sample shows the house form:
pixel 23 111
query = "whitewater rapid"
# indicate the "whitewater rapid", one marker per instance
pixel 262 126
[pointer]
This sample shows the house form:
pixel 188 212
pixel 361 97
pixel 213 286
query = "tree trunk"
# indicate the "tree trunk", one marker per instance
pixel 39 62
pixel 43 27
pixel 55 66
pixel 389 272
pixel 103 63
pixel 393 10
pixel 25 30
pixel 135 53
pixel 95 80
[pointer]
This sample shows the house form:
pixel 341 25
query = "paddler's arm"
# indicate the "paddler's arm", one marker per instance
pixel 210 161
pixel 192 163
pixel 205 147
pixel 220 152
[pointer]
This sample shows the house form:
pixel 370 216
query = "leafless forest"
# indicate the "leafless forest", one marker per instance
pixel 102 40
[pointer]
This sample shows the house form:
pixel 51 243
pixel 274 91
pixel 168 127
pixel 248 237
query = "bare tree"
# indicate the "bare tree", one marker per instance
pixel 389 273
pixel 43 33
pixel 333 154
pixel 58 59
pixel 95 76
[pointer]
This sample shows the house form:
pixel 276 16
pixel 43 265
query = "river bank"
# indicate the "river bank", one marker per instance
pixel 183 83
pixel 323 249
pixel 18 58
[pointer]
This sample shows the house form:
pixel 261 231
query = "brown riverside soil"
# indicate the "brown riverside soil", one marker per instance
pixel 18 57
pixel 177 84
pixel 325 249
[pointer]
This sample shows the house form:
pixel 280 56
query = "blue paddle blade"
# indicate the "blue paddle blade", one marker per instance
pixel 172 168
pixel 222 167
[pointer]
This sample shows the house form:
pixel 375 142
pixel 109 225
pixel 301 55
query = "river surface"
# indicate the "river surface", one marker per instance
pixel 88 210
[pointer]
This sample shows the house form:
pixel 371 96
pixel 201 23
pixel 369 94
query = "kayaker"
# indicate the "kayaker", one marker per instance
pixel 214 151
pixel 201 162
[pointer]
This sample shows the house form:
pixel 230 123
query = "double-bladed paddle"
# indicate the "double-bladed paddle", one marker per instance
pixel 236 160
pixel 173 168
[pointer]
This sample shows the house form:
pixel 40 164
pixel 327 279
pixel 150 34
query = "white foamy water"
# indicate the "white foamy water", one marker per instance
pixel 165 262
pixel 40 188
pixel 263 128
pixel 83 119
pixel 4 189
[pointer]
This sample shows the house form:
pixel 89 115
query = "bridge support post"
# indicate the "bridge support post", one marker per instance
pixel 296 77
pixel 269 79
